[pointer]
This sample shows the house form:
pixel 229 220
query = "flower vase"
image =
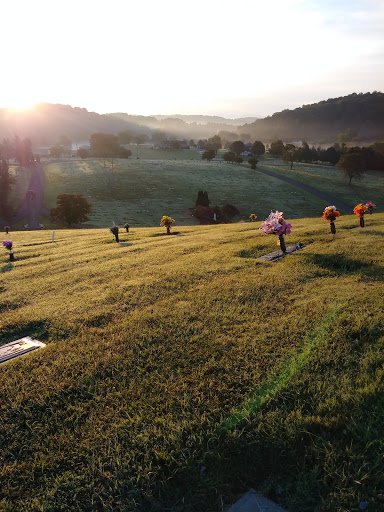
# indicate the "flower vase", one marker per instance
pixel 168 230
pixel 117 238
pixel 11 256
pixel 362 221
pixel 333 228
pixel 282 243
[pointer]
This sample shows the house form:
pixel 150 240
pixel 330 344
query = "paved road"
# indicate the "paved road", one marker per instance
pixel 36 184
pixel 330 200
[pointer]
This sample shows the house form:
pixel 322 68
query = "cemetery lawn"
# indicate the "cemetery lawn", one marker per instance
pixel 329 180
pixel 180 370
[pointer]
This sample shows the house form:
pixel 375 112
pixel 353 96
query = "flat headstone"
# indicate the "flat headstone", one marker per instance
pixel 19 348
pixel 254 502
pixel 276 255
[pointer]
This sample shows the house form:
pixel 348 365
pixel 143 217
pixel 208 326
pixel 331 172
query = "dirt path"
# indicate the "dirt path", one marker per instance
pixel 330 200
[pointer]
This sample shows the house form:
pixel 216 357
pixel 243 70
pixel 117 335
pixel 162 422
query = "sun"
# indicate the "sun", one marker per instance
pixel 20 98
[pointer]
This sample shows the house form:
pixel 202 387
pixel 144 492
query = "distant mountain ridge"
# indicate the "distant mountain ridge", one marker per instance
pixel 361 114
pixel 203 119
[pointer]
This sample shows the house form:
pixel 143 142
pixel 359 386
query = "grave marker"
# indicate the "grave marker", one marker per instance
pixel 19 348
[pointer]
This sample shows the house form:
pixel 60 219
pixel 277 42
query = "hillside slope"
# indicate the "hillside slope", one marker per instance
pixel 181 370
pixel 363 114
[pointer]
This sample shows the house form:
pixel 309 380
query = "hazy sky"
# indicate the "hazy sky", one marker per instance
pixel 219 57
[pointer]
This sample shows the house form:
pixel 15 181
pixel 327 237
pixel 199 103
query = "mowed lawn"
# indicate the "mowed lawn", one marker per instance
pixel 140 192
pixel 180 370
pixel 330 180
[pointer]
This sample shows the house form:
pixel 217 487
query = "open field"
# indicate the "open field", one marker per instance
pixel 180 370
pixel 141 192
pixel 329 180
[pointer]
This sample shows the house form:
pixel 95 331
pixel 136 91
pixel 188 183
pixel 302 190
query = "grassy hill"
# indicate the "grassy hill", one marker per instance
pixel 181 370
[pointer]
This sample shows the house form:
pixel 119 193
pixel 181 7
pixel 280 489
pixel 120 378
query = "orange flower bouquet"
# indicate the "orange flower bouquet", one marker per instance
pixel 359 210
pixel 330 214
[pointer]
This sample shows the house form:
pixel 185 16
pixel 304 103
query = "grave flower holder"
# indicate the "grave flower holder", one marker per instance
pixel 330 214
pixel 359 210
pixel 276 225
pixel 8 245
pixel 282 244
pixel 167 223
pixel 126 226
pixel 370 207
pixel 115 231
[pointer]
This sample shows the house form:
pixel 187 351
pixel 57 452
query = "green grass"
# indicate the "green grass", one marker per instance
pixel 167 354
pixel 140 192
pixel 329 180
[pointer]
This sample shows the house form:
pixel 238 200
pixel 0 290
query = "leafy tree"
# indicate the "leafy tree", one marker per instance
pixel 141 138
pixel 83 153
pixel 258 148
pixel 238 160
pixel 276 148
pixel 57 151
pixel 229 211
pixel 124 153
pixel 7 149
pixel 208 154
pixel 253 161
pixel 289 154
pixel 6 180
pixel 305 153
pixel 125 137
pixel 104 145
pixel 330 155
pixel 229 157
pixel 192 143
pixel 214 143
pixel 202 198
pixel 23 150
pixel 352 165
pixel 71 208
pixel 237 147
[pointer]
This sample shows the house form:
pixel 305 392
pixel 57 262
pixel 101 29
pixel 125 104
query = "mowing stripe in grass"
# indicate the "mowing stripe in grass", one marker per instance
pixel 287 369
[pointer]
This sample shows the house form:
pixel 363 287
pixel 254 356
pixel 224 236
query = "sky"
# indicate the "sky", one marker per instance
pixel 213 57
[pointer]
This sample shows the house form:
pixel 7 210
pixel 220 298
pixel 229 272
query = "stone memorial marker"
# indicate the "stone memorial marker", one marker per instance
pixel 277 255
pixel 19 348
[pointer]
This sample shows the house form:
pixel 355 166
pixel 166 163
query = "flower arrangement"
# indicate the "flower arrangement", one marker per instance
pixel 115 231
pixel 8 244
pixel 275 225
pixel 370 207
pixel 253 217
pixel 360 209
pixel 330 213
pixel 167 222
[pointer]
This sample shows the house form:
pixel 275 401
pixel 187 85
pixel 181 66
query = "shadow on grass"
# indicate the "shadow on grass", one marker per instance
pixel 377 233
pixel 35 329
pixel 165 234
pixel 125 244
pixel 254 252
pixel 6 268
pixel 38 243
pixel 340 264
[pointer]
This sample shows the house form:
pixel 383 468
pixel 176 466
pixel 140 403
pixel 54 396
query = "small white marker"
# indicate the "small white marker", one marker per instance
pixel 53 236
